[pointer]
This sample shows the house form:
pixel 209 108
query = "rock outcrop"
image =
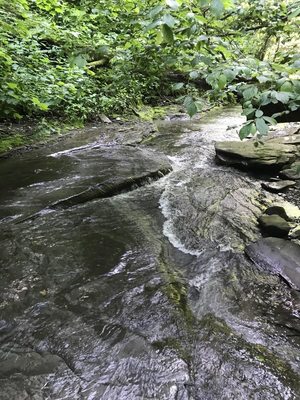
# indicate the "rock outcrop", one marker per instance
pixel 274 154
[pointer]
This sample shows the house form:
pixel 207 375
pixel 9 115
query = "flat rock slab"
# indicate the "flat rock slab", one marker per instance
pixel 273 155
pixel 279 256
pixel 278 186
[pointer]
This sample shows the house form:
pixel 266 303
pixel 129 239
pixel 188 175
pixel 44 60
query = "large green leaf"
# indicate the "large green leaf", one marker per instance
pixel 250 92
pixel 190 105
pixel 222 80
pixel 246 130
pixel 287 87
pixel 283 97
pixel 167 34
pixel 261 126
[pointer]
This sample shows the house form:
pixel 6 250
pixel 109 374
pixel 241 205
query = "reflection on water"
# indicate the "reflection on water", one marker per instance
pixel 145 295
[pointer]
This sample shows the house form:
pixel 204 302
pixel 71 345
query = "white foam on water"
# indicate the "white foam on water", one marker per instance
pixel 168 228
pixel 75 149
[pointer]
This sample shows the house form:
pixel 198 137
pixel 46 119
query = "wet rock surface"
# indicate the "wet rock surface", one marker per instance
pixel 274 225
pixel 145 294
pixel 278 186
pixel 279 256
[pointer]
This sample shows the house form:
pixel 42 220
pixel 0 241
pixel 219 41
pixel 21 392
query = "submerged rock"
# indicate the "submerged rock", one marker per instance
pixel 278 186
pixel 221 208
pixel 279 256
pixel 274 225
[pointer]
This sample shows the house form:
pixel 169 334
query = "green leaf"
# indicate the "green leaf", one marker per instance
pixel 169 20
pixel 287 87
pixel 156 10
pixel 12 85
pixel 271 120
pixel 217 7
pixel 178 86
pixel 283 97
pixel 248 111
pixel 190 106
pixel 258 113
pixel 79 61
pixel 172 4
pixel 153 25
pixel 261 126
pixel 205 60
pixel 246 130
pixel 262 79
pixel 222 81
pixel 167 34
pixel 250 93
pixel 294 13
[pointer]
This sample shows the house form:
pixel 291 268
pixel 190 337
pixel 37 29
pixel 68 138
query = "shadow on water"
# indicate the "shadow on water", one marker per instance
pixel 147 294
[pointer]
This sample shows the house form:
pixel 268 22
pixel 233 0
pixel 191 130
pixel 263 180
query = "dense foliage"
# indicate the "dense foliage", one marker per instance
pixel 77 59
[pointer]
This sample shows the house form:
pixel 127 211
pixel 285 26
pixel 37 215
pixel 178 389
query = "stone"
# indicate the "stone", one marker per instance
pixel 279 256
pixel 105 119
pixel 292 172
pixel 278 186
pixel 285 210
pixel 274 225
pixel 270 156
pixel 295 233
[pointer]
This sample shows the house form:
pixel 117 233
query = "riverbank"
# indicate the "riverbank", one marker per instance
pixel 18 138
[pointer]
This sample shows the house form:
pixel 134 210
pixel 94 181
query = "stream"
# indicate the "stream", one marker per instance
pixel 144 293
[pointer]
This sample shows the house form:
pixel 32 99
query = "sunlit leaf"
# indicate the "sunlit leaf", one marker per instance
pixel 282 97
pixel 261 126
pixel 172 4
pixel 246 130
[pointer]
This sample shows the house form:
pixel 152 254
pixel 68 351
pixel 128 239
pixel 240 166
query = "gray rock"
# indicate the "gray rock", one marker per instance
pixel 274 225
pixel 293 172
pixel 285 210
pixel 278 186
pixel 295 233
pixel 279 256
pixel 275 153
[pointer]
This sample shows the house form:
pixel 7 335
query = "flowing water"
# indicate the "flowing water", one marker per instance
pixel 146 294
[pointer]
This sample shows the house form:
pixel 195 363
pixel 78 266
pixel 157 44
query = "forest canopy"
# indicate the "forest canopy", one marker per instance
pixel 77 59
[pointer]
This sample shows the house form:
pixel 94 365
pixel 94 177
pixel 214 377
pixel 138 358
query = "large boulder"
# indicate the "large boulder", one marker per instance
pixel 278 256
pixel 274 154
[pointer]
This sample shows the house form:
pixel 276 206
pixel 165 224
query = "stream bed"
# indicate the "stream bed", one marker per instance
pixel 144 293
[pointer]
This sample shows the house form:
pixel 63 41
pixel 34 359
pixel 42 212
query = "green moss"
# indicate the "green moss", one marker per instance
pixel 176 290
pixel 26 135
pixel 215 327
pixel 10 142
pixel 175 345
